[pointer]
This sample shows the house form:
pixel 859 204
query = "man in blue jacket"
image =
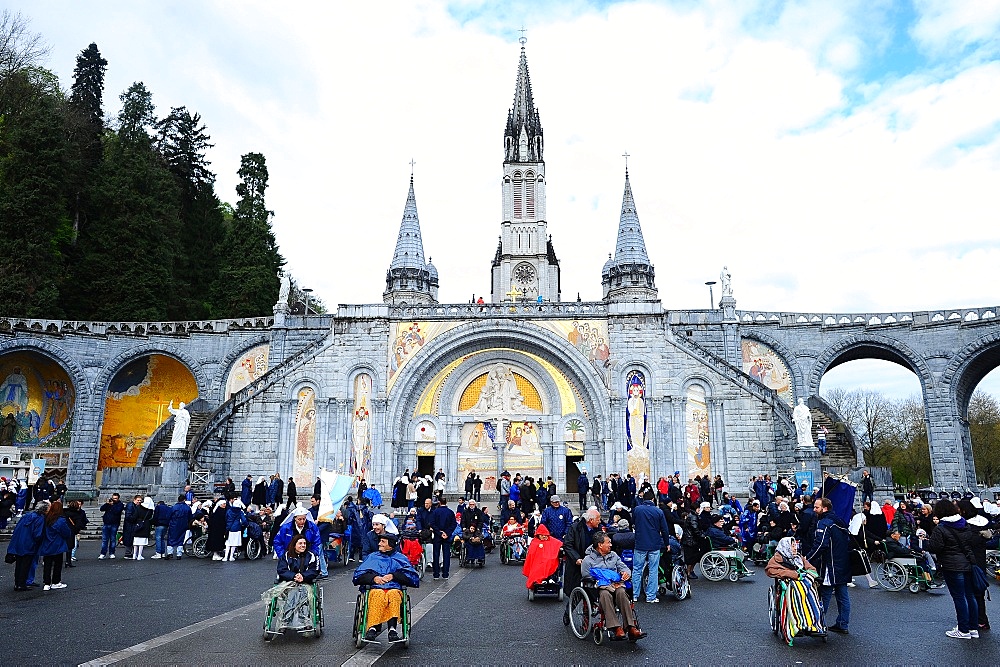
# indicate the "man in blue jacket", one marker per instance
pixel 583 488
pixel 443 524
pixel 161 521
pixel 651 535
pixel 112 511
pixel 25 542
pixel 557 518
pixel 246 490
pixel 831 555
pixel 177 527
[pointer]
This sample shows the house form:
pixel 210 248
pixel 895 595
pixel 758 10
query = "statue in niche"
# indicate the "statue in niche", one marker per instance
pixel 803 424
pixel 182 420
pixel 500 394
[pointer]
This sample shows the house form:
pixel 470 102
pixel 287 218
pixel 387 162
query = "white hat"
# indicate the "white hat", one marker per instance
pixel 617 506
pixel 147 502
pixel 976 502
pixel 380 519
pixel 706 506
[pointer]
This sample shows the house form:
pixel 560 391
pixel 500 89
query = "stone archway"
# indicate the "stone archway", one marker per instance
pixel 514 339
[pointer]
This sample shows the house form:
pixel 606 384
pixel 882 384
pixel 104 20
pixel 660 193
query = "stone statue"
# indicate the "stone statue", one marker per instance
pixel 500 394
pixel 182 420
pixel 727 282
pixel 286 287
pixel 803 424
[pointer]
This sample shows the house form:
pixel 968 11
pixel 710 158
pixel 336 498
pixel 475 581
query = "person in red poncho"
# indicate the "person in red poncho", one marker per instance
pixel 542 560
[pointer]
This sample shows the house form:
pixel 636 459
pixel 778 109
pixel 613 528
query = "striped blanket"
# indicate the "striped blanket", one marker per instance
pixel 799 610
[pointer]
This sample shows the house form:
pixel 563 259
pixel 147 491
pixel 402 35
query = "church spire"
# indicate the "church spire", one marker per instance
pixel 628 276
pixel 523 134
pixel 410 279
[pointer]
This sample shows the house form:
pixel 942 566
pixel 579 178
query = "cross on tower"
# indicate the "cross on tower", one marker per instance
pixel 626 156
pixel 522 39
pixel 412 163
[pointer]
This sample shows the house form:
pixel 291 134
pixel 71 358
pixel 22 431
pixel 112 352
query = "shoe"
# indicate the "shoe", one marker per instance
pixel 177 557
pixel 653 601
pixel 436 578
pixel 141 558
pixel 851 584
pixel 125 557
pixel 155 557
pixel 839 630
pixel 444 576
pixel 984 626
pixel 46 587
pixel 635 600
pixel 635 634
pixel 217 557
pixel 934 585
pixel 873 585
pixel 73 559
pixel 692 576
pixel 59 585
pixel 373 634
pixel 618 635
pixel 393 635
pixel 169 556
pixel 955 633
pixel 20 589
pixel 111 556
pixel 974 634
pixel 32 585
pixel 70 565
pixel 101 557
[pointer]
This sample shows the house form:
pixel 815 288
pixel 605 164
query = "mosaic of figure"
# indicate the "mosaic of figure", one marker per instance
pixel 697 434
pixel 636 425
pixel 361 427
pixel 305 435
pixel 764 364
pixel 426 437
pixel 250 366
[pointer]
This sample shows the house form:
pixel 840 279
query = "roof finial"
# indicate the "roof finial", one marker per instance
pixel 626 156
pixel 522 39
pixel 412 163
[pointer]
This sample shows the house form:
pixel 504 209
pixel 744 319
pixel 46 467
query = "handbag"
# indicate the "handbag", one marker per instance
pixel 10 558
pixel 861 564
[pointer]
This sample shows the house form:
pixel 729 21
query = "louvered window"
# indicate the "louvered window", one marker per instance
pixel 518 186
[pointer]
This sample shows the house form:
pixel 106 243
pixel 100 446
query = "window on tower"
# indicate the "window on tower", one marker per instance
pixel 518 187
pixel 529 195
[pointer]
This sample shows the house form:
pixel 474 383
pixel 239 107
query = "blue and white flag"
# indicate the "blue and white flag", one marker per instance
pixel 334 487
pixel 491 430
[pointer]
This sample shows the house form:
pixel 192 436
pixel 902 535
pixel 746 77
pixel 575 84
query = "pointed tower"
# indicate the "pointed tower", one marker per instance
pixel 628 276
pixel 525 265
pixel 410 279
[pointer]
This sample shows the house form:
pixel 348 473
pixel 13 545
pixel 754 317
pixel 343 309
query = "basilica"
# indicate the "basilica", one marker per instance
pixel 527 382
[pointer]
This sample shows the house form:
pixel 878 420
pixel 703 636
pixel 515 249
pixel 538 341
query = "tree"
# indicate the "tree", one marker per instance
pixel 984 427
pixel 33 214
pixel 870 416
pixel 19 47
pixel 248 283
pixel 910 458
pixel 182 142
pixel 86 126
pixel 127 255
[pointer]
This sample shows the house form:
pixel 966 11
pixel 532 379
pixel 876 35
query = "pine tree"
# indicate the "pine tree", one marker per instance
pixel 127 253
pixel 86 127
pixel 182 143
pixel 34 223
pixel 248 284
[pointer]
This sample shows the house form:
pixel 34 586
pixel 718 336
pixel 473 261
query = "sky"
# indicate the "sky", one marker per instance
pixel 837 157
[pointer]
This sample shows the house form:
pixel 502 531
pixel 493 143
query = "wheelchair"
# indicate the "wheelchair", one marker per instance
pixel 716 565
pixel 672 576
pixel 507 556
pixel 553 585
pixel 895 574
pixel 992 560
pixel 583 614
pixel 361 620
pixel 337 553
pixel 273 626
pixel 463 554
pixel 775 601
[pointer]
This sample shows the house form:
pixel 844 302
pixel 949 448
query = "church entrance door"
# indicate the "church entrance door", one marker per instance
pixel 425 466
pixel 573 464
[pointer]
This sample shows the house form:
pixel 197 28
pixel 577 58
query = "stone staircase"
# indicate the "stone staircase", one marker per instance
pixel 841 450
pixel 160 440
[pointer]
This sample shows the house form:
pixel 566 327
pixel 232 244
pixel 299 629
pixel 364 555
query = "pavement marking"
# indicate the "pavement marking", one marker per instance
pixel 156 642
pixel 370 653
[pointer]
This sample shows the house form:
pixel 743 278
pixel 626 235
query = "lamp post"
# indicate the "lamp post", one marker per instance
pixel 307 291
pixel 711 297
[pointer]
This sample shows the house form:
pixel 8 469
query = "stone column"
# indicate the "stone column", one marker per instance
pixel 454 442
pixel 717 433
pixel 175 470
pixel 948 438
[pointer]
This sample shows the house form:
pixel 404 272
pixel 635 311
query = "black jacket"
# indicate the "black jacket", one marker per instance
pixel 575 544
pixel 950 542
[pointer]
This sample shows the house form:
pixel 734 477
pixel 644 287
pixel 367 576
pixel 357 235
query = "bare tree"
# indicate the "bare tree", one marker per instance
pixel 19 47
pixel 984 427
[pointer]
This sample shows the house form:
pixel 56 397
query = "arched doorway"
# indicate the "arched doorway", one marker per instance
pixel 136 402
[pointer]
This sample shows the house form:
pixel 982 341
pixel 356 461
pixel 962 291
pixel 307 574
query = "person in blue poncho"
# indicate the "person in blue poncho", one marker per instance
pixel 385 572
pixel 605 566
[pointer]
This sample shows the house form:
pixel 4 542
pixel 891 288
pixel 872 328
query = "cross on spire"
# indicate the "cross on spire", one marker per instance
pixel 626 156
pixel 412 163
pixel 522 39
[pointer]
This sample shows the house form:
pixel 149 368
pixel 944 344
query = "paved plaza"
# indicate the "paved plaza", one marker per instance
pixel 202 612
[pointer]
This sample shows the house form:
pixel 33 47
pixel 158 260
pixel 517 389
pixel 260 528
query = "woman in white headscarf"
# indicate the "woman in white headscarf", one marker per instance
pixel 797 605
pixel 143 525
